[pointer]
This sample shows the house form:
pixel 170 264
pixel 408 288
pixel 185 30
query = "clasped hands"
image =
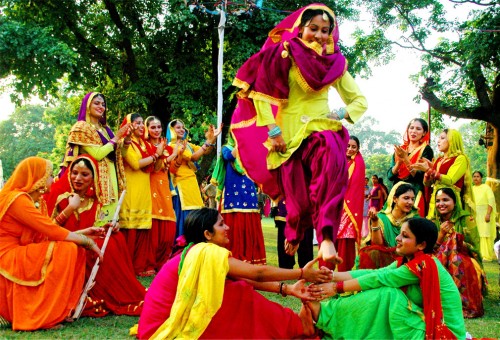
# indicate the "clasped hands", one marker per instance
pixel 316 291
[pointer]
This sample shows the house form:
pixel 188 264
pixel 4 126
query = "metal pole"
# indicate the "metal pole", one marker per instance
pixel 220 98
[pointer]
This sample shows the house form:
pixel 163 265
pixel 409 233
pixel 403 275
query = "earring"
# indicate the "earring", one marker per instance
pixel 42 190
pixel 90 192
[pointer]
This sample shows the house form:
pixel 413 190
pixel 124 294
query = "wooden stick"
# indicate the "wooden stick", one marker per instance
pixel 91 281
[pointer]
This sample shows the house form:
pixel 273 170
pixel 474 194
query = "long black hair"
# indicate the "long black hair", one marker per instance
pixel 424 231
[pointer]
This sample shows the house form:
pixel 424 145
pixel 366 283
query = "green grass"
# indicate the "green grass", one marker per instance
pixel 116 327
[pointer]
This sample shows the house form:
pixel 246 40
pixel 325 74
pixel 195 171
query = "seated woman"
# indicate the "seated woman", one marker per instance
pixel 457 248
pixel 42 271
pixel 77 199
pixel 394 298
pixel 229 308
pixel 386 225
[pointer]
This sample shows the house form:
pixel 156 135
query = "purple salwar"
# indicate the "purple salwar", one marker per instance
pixel 314 180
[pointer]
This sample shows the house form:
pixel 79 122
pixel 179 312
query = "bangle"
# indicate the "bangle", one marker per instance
pixel 376 228
pixel 341 112
pixel 61 218
pixel 112 142
pixel 209 144
pixel 127 142
pixel 333 275
pixel 274 132
pixel 301 273
pixel 86 242
pixel 339 287
pixel 282 291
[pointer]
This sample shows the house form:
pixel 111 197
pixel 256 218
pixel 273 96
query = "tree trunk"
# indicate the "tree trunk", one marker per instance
pixel 493 158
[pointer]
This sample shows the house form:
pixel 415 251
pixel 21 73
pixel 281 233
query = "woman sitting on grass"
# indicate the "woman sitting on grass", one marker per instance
pixel 191 297
pixel 396 297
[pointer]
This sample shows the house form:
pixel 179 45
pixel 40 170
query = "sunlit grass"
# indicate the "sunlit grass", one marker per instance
pixel 116 327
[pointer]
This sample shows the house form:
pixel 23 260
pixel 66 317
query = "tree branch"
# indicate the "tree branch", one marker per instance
pixel 478 113
pixel 129 66
pixel 479 3
pixel 422 47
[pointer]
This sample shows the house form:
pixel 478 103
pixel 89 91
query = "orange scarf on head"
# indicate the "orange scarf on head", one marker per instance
pixel 30 175
pixel 424 267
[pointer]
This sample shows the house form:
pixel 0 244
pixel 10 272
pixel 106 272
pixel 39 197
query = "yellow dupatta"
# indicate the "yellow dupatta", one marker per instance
pixel 199 292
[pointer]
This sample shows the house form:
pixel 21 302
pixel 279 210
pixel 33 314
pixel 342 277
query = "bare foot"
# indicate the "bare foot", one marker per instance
pixel 290 249
pixel 328 252
pixel 307 321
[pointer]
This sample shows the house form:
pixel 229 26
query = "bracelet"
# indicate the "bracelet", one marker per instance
pixel 333 275
pixel 376 228
pixel 301 274
pixel 86 242
pixel 61 218
pixel 209 144
pixel 274 132
pixel 112 142
pixel 339 287
pixel 127 142
pixel 281 291
pixel 341 112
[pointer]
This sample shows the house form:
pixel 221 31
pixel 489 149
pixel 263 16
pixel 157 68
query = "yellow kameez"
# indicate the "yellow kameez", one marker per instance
pixel 137 205
pixel 455 172
pixel 293 121
pixel 484 197
pixel 185 179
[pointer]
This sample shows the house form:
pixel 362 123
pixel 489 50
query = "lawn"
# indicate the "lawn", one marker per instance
pixel 116 327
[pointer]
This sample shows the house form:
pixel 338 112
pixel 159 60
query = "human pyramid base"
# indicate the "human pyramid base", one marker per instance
pixel 409 260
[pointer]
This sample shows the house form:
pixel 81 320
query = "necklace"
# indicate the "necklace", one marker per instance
pixel 397 222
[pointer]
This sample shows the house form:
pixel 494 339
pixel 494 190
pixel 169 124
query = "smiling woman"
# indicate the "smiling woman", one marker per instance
pixel 386 225
pixel 394 298
pixel 91 135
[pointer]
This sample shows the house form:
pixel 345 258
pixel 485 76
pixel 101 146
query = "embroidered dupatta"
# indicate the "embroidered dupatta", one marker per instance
pixel 83 133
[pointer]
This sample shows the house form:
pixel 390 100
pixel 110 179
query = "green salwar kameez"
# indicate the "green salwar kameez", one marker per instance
pixel 388 307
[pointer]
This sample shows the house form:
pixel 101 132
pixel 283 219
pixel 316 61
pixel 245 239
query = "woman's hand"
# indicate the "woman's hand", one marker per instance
pixel 278 144
pixel 372 214
pixel 212 133
pixel 299 290
pixel 322 291
pixel 445 228
pixel 400 154
pixel 122 132
pixel 160 148
pixel 181 146
pixel 93 232
pixel 74 201
pixel 311 274
pixel 115 227
pixel 422 164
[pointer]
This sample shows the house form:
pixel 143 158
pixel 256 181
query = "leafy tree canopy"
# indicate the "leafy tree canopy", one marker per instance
pixel 24 134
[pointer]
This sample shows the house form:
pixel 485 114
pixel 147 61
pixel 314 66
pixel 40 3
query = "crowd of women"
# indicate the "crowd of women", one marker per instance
pixel 285 138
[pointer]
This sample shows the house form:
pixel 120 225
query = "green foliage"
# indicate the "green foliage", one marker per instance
pixel 471 133
pixel 24 134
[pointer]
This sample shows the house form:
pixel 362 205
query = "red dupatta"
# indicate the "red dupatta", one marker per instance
pixel 57 200
pixel 424 267
pixel 354 196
